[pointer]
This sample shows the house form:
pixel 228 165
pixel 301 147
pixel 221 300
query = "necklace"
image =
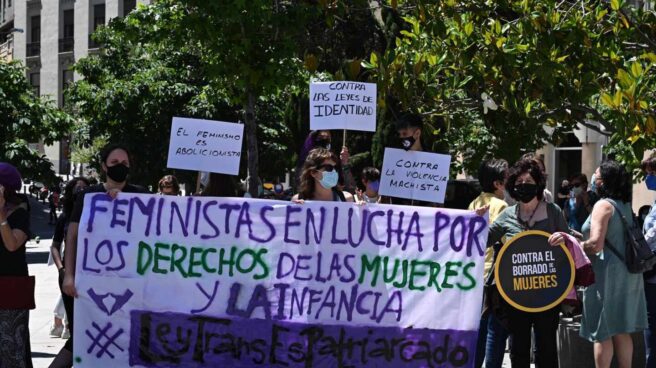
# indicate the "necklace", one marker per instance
pixel 525 224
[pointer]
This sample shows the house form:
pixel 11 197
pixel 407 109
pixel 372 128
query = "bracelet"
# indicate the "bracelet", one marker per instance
pixel 3 223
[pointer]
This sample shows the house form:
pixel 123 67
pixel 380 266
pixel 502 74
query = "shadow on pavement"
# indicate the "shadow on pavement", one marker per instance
pixel 37 257
pixel 42 355
pixel 39 216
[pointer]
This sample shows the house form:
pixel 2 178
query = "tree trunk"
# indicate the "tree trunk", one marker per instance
pixel 251 140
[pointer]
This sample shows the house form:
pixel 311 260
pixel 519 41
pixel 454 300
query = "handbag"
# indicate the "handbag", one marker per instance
pixel 17 292
pixel 638 257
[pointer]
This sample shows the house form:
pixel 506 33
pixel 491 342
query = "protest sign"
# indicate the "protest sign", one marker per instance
pixel 168 281
pixel 343 105
pixel 414 175
pixel 532 275
pixel 205 145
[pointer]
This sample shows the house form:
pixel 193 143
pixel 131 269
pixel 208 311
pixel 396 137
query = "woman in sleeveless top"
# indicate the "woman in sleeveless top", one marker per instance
pixel 614 306
pixel 319 179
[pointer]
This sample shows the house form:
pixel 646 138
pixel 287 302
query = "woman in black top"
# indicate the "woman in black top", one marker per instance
pixel 65 356
pixel 14 232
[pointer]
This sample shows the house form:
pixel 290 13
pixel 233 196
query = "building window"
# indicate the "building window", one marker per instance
pixel 128 6
pixel 98 20
pixel 35 82
pixel 67 42
pixel 98 16
pixel 34 46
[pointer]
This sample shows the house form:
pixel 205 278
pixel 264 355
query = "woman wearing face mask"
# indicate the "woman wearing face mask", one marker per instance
pixel 649 229
pixel 64 358
pixel 526 183
pixel 577 205
pixel 371 181
pixel 319 179
pixel 323 139
pixel 115 163
pixel 614 306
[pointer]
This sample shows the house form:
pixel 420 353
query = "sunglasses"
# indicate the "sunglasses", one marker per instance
pixel 326 167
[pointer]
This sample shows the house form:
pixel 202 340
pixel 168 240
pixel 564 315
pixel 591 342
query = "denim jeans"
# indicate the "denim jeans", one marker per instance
pixel 496 343
pixel 650 333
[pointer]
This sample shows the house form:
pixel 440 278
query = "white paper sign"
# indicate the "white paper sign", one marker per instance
pixel 205 145
pixel 343 105
pixel 415 175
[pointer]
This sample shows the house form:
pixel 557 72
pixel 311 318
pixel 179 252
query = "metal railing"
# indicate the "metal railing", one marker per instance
pixel 66 44
pixel 33 49
pixel 7 50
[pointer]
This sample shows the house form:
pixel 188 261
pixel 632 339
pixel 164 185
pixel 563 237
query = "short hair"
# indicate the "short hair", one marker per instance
pixel 617 183
pixel 521 167
pixel 169 180
pixel 648 164
pixel 490 172
pixel 108 149
pixel 370 173
pixel 408 120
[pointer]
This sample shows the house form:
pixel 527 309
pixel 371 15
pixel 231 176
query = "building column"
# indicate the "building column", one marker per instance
pixel 20 39
pixel 112 10
pixel 589 160
pixel 81 46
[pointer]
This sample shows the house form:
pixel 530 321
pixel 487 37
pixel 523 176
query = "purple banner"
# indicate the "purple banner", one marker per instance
pixel 182 340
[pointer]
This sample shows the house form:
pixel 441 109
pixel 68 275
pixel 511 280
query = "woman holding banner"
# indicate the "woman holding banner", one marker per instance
pixel 319 178
pixel 323 139
pixel 526 183
pixel 614 306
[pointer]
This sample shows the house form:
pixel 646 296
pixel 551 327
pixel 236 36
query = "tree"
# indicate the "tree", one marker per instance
pixel 542 62
pixel 27 118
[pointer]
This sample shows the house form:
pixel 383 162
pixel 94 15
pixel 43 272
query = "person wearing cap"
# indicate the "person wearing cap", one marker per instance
pixel 14 233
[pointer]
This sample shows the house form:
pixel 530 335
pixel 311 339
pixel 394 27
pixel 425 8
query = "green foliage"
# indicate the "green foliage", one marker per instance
pixel 26 118
pixel 542 62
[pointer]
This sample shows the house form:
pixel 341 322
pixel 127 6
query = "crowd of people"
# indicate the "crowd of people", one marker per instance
pixel 616 305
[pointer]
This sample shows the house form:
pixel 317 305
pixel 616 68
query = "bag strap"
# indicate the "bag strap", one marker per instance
pixel 626 229
pixel 619 212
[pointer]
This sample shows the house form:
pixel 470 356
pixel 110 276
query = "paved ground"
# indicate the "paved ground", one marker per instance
pixel 44 347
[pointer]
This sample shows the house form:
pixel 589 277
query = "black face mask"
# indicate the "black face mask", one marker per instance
pixel 408 142
pixel 322 142
pixel 118 172
pixel 526 192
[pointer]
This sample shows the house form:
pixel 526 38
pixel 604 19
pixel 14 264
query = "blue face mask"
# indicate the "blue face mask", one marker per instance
pixel 593 186
pixel 650 181
pixel 329 179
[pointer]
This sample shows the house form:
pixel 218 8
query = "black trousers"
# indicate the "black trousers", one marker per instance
pixel 68 306
pixel 545 325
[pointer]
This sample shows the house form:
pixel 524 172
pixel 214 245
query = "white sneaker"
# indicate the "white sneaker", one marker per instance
pixel 56 331
pixel 66 334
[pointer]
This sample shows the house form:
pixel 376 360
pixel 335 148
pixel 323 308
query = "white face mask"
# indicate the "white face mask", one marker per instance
pixel 577 191
pixel 329 179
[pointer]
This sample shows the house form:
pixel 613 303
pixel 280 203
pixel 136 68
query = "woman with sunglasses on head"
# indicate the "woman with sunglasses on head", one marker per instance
pixel 168 185
pixel 319 178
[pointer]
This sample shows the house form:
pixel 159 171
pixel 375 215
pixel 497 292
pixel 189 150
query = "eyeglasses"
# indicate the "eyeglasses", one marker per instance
pixel 326 167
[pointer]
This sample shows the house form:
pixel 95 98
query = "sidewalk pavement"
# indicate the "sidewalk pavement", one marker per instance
pixel 44 347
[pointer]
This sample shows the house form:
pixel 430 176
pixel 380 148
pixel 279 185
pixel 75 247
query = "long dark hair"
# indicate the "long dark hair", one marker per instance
pixel 617 182
pixel 220 185
pixel 70 195
pixel 316 157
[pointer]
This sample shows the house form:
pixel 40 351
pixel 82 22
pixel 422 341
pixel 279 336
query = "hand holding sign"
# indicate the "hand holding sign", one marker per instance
pixel 205 145
pixel 343 105
pixel 414 175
